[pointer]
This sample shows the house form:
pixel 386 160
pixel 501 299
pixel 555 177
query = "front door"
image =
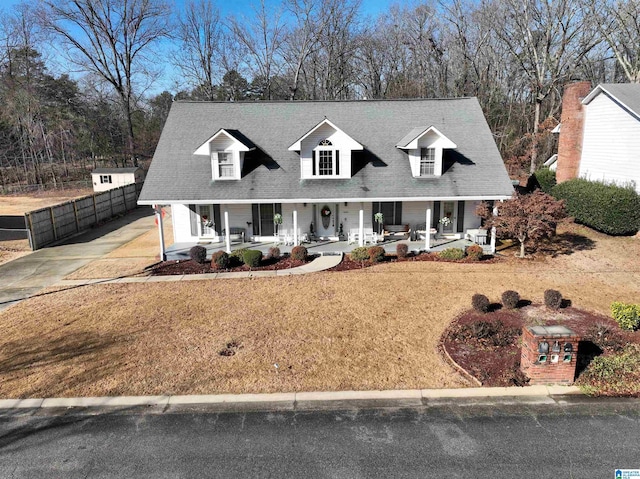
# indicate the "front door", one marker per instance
pixel 206 224
pixel 448 211
pixel 326 220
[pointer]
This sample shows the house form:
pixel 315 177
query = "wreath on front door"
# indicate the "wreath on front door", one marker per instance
pixel 325 214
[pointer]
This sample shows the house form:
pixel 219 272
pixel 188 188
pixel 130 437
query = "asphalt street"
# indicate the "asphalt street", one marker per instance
pixel 589 439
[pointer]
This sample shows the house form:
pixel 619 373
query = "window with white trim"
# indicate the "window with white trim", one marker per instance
pixel 326 159
pixel 225 165
pixel 427 161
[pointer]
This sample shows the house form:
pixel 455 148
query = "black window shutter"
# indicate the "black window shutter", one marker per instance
pixel 436 214
pixel 255 213
pixel 313 162
pixel 460 216
pixel 216 219
pixel 398 213
pixel 193 219
pixel 337 162
pixel 277 208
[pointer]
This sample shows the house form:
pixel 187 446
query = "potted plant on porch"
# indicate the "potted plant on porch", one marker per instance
pixel 379 218
pixel 277 221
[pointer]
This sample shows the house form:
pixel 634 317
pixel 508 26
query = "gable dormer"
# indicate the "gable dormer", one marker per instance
pixel 325 152
pixel 424 147
pixel 226 148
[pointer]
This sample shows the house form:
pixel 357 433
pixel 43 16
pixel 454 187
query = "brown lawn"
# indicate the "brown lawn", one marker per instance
pixel 21 204
pixel 376 328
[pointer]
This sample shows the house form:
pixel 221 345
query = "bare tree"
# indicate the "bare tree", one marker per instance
pixel 112 39
pixel 262 37
pixel 199 54
pixel 619 23
pixel 547 40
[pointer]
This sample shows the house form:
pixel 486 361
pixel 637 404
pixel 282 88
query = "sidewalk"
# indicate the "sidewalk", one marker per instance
pixel 538 395
pixel 319 264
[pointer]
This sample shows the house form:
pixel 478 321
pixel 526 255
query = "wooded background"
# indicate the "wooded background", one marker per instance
pixel 79 78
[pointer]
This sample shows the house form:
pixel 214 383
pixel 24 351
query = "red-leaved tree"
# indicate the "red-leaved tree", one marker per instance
pixel 525 217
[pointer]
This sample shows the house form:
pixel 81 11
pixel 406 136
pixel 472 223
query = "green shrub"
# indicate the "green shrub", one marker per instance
pixel 613 374
pixel 376 254
pixel 198 254
pixel 274 252
pixel 608 208
pixel 252 257
pixel 510 299
pixel 552 299
pixel 480 303
pixel 452 254
pixel 626 315
pixel 546 178
pixel 402 249
pixel 220 260
pixel 299 253
pixel 360 253
pixel 474 252
pixel 238 255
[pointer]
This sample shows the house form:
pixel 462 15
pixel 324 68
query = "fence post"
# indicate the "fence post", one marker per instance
pixel 111 201
pixel 75 215
pixel 95 208
pixel 124 198
pixel 53 223
pixel 29 225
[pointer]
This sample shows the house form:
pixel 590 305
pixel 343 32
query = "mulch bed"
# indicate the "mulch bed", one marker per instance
pixel 348 264
pixel 191 267
pixel 487 346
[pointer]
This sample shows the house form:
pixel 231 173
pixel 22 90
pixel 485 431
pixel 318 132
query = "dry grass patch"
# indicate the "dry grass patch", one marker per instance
pixel 21 204
pixel 376 328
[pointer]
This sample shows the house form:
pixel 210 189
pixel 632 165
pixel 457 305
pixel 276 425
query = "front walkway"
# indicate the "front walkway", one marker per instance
pixel 180 251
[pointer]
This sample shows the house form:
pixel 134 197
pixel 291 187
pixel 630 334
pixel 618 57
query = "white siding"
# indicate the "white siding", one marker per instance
pixel 611 144
pixel 430 140
pixel 117 180
pixel 415 212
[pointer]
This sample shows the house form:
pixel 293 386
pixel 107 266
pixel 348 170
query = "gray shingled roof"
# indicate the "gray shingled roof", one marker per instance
pixel 626 93
pixel 271 172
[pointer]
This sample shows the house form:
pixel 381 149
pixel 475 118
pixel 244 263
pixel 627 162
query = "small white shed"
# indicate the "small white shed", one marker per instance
pixel 107 178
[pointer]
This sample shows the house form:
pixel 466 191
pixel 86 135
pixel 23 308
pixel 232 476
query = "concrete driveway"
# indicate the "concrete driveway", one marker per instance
pixel 26 276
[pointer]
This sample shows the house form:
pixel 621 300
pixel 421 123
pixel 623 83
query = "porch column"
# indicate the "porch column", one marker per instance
pixel 427 234
pixel 361 226
pixel 295 226
pixel 493 231
pixel 158 212
pixel 227 231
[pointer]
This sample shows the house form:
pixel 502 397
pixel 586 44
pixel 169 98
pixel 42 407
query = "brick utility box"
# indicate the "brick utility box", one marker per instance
pixel 549 354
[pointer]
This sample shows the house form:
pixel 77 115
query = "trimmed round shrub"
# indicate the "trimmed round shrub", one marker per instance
pixel 402 249
pixel 198 254
pixel 252 257
pixel 220 260
pixel 474 252
pixel 376 254
pixel 361 253
pixel 546 179
pixel 299 253
pixel 614 210
pixel 274 252
pixel 238 255
pixel 480 303
pixel 452 254
pixel 553 299
pixel 510 299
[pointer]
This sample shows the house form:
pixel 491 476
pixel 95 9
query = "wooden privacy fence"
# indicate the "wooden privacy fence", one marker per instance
pixel 51 224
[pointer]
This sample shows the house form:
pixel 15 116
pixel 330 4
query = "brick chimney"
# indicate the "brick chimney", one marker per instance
pixel 570 141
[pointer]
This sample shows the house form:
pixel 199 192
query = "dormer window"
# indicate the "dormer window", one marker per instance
pixel 427 161
pixel 225 164
pixel 327 159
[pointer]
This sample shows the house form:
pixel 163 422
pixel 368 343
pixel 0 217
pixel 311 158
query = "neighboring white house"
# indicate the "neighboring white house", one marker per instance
pixel 107 178
pixel 326 167
pixel 608 146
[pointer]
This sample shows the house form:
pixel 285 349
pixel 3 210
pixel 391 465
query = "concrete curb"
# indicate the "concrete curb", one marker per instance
pixel 309 400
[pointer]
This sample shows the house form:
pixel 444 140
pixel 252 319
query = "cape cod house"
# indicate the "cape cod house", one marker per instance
pixel 323 169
